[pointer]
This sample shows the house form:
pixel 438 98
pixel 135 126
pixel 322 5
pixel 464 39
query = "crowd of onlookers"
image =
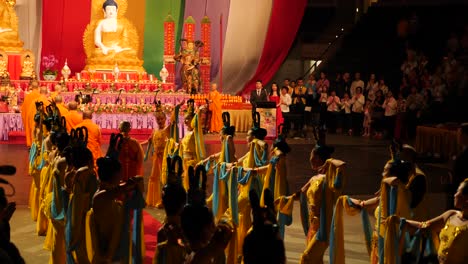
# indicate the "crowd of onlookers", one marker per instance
pixel 427 93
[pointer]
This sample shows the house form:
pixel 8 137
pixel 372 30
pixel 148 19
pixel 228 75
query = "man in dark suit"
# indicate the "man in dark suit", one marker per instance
pixel 259 94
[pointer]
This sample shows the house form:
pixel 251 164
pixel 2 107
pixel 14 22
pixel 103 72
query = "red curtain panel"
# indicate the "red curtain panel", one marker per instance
pixel 286 17
pixel 63 24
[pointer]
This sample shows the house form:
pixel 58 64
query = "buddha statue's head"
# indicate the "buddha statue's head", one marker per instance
pixel 190 45
pixel 110 9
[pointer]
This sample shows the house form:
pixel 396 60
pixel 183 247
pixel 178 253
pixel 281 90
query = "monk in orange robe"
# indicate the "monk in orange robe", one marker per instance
pixel 31 111
pixel 73 117
pixel 57 91
pixel 131 153
pixel 214 99
pixel 94 135
pixel 28 99
pixel 61 107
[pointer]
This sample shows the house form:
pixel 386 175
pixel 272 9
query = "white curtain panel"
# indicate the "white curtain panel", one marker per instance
pixel 245 36
pixel 29 14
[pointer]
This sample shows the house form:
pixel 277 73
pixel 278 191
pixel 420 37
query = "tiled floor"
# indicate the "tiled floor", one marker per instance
pixel 365 159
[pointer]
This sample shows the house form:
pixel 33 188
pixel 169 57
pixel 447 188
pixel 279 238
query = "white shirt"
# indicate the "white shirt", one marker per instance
pixel 354 85
pixel 333 104
pixel 358 103
pixel 391 106
pixel 346 105
pixel 285 102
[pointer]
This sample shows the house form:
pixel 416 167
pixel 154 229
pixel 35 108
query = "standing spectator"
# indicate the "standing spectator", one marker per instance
pixel 259 94
pixel 358 101
pixel 452 43
pixel 383 87
pixel 372 86
pixel 378 114
pixel 288 84
pixel 413 104
pixel 405 87
pixel 310 96
pixel 346 114
pixel 299 100
pixel 439 92
pixel 323 82
pixel 356 83
pixel 401 127
pixel 367 118
pixel 338 86
pixel 390 106
pixel 323 99
pixel 347 83
pixel 333 110
pixel 284 103
pixel 275 97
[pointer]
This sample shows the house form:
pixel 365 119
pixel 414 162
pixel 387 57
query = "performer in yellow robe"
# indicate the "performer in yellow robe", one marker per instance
pixel 72 116
pixel 394 200
pixel 192 146
pixel 27 103
pixel 81 184
pixel 218 201
pixel 131 153
pixel 319 195
pixel 29 125
pixel 35 163
pixel 170 249
pixel 94 135
pixel 452 227
pixel 215 106
pixel 109 241
pixel 57 206
pixel 157 142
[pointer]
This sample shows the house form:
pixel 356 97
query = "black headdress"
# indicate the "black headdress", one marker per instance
pixel 321 148
pixel 257 131
pixel 190 112
pixel 197 189
pixel 280 141
pixel 174 196
pixel 79 137
pixel 39 112
pixel 227 128
pixel 115 145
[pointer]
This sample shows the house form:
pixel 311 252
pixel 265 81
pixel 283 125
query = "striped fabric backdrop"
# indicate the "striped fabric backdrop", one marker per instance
pixel 253 37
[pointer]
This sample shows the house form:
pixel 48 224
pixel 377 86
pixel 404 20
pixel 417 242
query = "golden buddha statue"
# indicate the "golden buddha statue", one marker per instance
pixel 111 39
pixel 27 65
pixel 3 62
pixel 9 38
pixel 189 56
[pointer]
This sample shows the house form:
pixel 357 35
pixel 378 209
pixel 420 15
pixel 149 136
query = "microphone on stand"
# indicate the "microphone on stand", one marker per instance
pixel 118 97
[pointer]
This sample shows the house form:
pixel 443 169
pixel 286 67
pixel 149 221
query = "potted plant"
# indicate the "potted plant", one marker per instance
pixel 48 62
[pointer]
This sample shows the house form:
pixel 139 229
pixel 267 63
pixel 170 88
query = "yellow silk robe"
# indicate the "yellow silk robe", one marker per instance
pixel 35 173
pixel 315 247
pixel 153 195
pixel 453 241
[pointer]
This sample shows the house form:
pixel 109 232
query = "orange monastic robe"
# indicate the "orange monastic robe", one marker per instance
pixel 28 99
pixel 73 119
pixel 94 138
pixel 216 122
pixel 29 125
pixel 62 109
pixel 131 158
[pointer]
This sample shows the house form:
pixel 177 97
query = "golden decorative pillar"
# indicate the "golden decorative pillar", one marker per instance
pixel 169 47
pixel 205 54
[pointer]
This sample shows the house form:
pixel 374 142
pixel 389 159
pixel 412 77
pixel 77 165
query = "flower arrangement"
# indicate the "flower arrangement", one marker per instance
pixel 48 62
pixel 119 108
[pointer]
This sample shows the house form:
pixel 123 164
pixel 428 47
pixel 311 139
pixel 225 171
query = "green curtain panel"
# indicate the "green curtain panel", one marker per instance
pixel 156 12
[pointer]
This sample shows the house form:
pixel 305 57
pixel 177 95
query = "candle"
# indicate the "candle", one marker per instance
pixel 78 76
pixel 151 77
pixel 104 77
pixel 128 77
